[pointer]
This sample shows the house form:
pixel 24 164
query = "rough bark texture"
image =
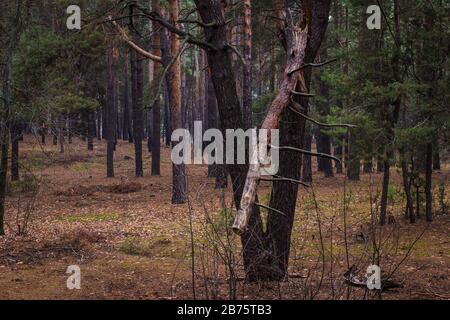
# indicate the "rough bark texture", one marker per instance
pixel 15 138
pixel 222 75
pixel 407 188
pixel 179 171
pixel 292 134
pixel 247 76
pixel 295 38
pixel 90 130
pixel 126 127
pixel 110 114
pixel 428 183
pixel 384 192
pixel 156 110
pixel 138 113
pixel 258 253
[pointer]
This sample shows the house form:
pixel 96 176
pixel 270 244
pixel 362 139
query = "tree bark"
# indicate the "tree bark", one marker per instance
pixel 90 130
pixel 384 192
pixel 407 188
pixel 247 76
pixel 156 110
pixel 111 93
pixel 179 195
pixel 137 107
pixel 429 182
pixel 127 133
pixel 15 138
pixel 354 161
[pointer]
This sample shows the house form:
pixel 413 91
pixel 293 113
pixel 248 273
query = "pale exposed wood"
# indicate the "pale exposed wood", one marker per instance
pixel 296 40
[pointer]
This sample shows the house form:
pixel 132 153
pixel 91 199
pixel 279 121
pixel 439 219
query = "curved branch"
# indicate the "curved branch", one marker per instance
pixel 303 94
pixel 279 178
pixel 138 49
pixel 320 124
pixel 310 153
pixel 269 208
pixel 312 65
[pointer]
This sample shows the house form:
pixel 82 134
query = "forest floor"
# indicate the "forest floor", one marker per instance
pixel 130 242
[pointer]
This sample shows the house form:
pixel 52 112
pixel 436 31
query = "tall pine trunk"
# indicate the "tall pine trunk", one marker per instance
pixel 15 138
pixel 247 79
pixel 110 119
pixel 127 132
pixel 179 187
pixel 156 110
pixel 428 183
pixel 137 106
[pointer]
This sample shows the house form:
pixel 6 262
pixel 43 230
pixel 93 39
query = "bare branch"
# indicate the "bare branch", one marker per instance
pixel 269 208
pixel 154 16
pixel 279 178
pixel 138 49
pixel 200 23
pixel 314 154
pixel 312 65
pixel 303 94
pixel 320 124
pixel 235 50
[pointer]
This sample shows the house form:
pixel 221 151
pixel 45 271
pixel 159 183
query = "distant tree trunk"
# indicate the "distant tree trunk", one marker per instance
pixel 4 139
pixel 428 183
pixel 384 192
pixel 137 100
pixel 43 133
pixel 127 134
pixel 110 113
pixel 179 195
pixel 436 157
pixel 354 161
pixel 69 120
pixel 324 146
pixel 61 125
pixel 167 128
pixel 213 121
pixel 338 154
pixel 407 188
pixel 247 76
pixel 3 174
pixel 90 130
pixel 166 57
pixel 323 139
pixel 99 120
pixel 307 163
pixel 15 138
pixel 368 166
pixel 54 130
pixel 156 110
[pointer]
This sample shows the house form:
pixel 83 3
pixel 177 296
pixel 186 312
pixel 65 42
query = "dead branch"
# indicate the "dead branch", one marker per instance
pixel 278 178
pixel 321 124
pixel 310 153
pixel 138 49
pixel 312 65
pixel 303 94
pixel 269 208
